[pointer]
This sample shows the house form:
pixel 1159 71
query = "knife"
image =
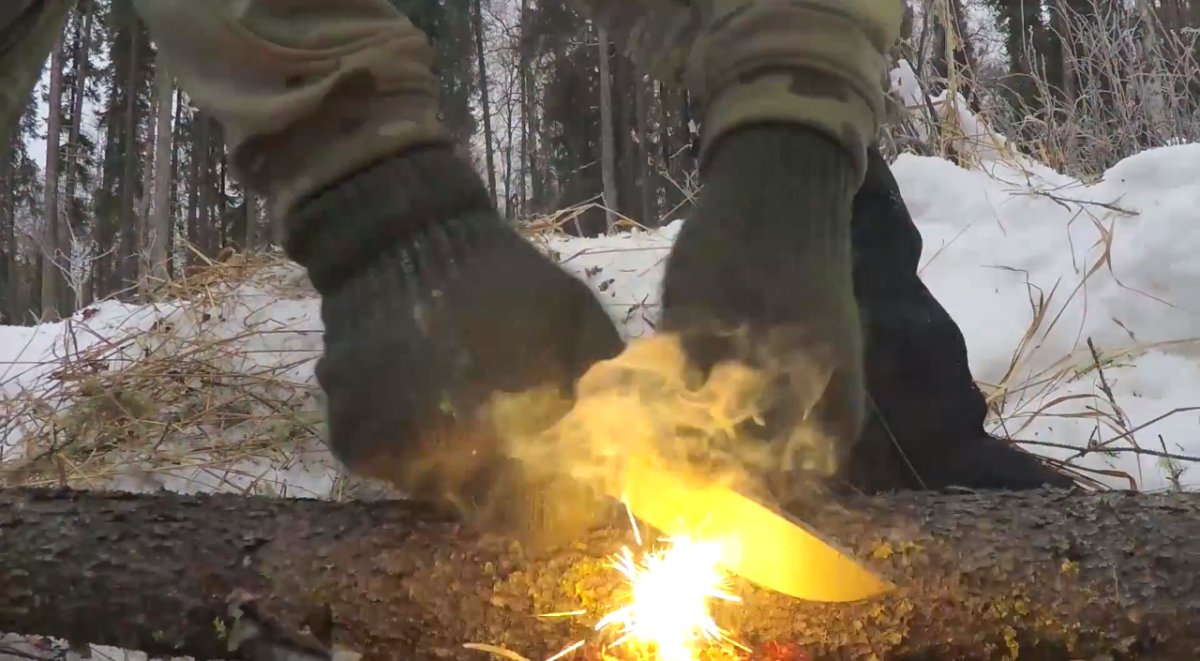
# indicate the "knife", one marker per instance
pixel 766 547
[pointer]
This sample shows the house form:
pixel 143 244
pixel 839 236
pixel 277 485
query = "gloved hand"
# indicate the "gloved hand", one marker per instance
pixel 432 305
pixel 762 275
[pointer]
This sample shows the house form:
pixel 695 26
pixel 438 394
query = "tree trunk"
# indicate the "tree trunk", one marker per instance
pixel 75 225
pixel 649 212
pixel 509 198
pixel 126 273
pixel 1037 575
pixel 160 223
pixel 195 157
pixel 484 101
pixel 222 192
pixel 8 243
pixel 250 208
pixel 146 197
pixel 278 228
pixel 524 70
pixel 176 175
pixel 1153 85
pixel 53 259
pixel 607 141
pixel 202 185
pixel 1065 38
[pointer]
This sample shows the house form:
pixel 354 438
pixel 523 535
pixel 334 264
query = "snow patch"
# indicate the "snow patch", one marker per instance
pixel 1006 250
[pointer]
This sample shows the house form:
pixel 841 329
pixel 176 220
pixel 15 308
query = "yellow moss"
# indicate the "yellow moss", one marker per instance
pixel 1021 607
pixel 219 627
pixel 1070 567
pixel 1010 641
pixel 882 551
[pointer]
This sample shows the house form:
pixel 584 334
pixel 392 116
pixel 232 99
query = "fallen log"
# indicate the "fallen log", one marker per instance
pixel 1038 575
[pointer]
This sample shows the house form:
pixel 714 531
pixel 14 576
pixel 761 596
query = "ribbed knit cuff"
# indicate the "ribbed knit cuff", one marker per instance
pixel 794 184
pixel 349 226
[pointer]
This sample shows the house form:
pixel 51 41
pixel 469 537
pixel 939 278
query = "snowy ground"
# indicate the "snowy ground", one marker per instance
pixel 1110 261
pixel 1011 253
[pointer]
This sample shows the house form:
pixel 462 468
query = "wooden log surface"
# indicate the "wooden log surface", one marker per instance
pixel 1035 575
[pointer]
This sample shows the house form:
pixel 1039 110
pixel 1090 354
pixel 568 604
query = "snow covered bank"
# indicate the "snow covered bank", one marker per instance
pixel 1032 266
pixel 1113 262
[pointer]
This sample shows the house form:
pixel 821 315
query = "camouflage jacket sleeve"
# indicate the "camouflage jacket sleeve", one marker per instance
pixel 819 63
pixel 29 29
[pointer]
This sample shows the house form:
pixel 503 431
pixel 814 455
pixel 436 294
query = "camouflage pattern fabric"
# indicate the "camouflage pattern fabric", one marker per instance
pixel 307 91
pixel 818 63
pixel 310 90
pixel 28 31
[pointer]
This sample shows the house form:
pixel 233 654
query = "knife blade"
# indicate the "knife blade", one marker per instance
pixel 766 547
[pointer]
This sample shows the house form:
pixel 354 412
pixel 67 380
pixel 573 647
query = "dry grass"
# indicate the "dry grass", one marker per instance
pixel 192 385
pixel 1026 395
pixel 1129 94
pixel 1131 85
pixel 186 388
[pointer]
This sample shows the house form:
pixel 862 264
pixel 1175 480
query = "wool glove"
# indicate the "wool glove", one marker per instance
pixel 432 306
pixel 762 275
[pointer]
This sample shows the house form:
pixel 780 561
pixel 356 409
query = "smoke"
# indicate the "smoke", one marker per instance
pixel 654 405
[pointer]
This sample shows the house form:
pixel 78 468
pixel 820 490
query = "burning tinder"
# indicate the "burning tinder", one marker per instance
pixel 668 615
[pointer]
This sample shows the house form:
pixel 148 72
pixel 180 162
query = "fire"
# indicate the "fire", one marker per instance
pixel 668 617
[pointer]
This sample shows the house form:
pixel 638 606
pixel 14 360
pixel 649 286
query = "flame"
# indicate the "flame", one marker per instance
pixel 668 617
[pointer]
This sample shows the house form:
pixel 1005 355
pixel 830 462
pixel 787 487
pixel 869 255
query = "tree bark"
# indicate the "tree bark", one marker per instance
pixel 160 223
pixel 203 183
pixel 1152 87
pixel 127 254
pixel 524 70
pixel 1037 575
pixel 8 244
pixel 484 100
pixel 250 209
pixel 607 140
pixel 146 195
pixel 77 292
pixel 55 255
pixel 646 186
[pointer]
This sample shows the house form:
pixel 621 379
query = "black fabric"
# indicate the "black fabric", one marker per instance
pixel 763 274
pixel 925 415
pixel 431 305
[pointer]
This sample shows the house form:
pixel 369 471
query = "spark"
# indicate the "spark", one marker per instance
pixel 637 531
pixel 668 616
pixel 575 613
pixel 567 650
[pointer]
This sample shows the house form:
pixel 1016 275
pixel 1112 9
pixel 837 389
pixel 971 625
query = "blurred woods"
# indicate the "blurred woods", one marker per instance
pixel 118 184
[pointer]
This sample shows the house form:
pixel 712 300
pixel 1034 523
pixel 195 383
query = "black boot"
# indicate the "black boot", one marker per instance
pixel 924 426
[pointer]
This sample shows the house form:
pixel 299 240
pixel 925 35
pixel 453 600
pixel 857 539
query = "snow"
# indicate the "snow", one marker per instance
pixel 1032 264
pixel 1110 262
pixel 265 329
pixel 998 237
pixel 1114 261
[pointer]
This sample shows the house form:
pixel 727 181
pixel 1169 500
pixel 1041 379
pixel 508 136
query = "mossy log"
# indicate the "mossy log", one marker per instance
pixel 1038 575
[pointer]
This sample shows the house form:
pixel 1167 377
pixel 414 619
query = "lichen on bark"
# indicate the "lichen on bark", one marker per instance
pixel 1041 575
